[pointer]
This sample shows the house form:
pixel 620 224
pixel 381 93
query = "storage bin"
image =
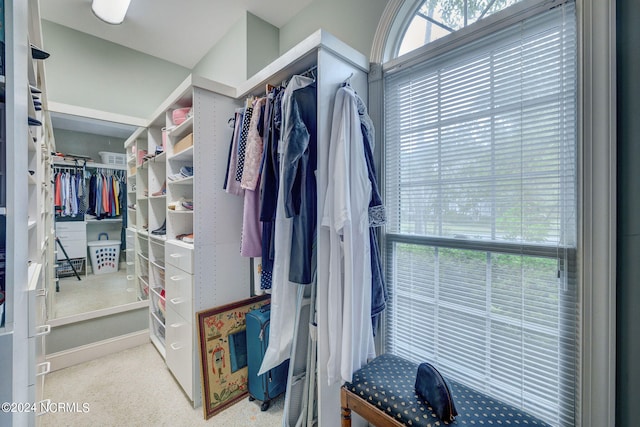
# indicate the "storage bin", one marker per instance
pixel 105 255
pixel 158 303
pixel 158 329
pixel 180 115
pixel 141 156
pixel 110 158
pixel 64 269
pixel 157 274
pixel 143 288
pixel 183 144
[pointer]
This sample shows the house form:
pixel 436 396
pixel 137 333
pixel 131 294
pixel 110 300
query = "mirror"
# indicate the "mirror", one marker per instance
pixel 89 173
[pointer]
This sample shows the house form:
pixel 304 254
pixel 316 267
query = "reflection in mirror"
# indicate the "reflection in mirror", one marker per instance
pixel 238 350
pixel 90 201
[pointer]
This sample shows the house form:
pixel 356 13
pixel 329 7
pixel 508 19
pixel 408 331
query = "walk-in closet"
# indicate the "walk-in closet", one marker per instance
pixel 318 213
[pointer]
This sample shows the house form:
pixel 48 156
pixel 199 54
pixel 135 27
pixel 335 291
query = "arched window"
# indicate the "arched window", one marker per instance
pixel 434 19
pixel 480 184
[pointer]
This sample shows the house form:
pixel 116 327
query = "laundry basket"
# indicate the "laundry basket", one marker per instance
pixel 105 254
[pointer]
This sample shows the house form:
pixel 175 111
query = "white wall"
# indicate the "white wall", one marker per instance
pixel 90 72
pixel 352 21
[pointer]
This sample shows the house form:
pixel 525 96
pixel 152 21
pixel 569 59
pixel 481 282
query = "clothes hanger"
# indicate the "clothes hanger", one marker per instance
pixel 347 82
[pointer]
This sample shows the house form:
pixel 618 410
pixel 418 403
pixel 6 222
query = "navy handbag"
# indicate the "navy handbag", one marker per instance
pixel 432 387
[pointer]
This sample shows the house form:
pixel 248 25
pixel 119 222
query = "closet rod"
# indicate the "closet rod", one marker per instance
pixel 306 73
pixel 91 166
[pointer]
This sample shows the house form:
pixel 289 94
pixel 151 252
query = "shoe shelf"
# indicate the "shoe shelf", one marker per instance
pixel 158 238
pixel 184 181
pixel 160 158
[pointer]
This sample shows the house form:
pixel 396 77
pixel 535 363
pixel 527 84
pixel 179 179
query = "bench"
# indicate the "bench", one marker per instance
pixel 383 393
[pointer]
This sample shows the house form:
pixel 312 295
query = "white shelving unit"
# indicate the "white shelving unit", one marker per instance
pixel 29 251
pixel 184 278
pixel 131 149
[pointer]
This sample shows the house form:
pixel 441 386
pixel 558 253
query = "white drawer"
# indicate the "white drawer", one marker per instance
pixel 74 249
pixel 178 292
pixel 72 226
pixel 179 256
pixel 71 235
pixel 180 352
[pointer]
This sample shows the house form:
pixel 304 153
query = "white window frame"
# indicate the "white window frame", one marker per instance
pixel 596 184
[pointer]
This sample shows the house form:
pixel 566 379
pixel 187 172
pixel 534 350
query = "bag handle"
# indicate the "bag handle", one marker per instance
pixel 103 234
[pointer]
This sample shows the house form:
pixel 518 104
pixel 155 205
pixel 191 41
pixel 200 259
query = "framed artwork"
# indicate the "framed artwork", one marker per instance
pixel 223 353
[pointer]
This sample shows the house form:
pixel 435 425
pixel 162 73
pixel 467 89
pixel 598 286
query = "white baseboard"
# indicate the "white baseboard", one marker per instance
pixel 85 353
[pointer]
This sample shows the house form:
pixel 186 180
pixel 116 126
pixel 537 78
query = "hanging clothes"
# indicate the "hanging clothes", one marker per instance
pixel 251 241
pixel 68 193
pixel 254 147
pixel 58 193
pixel 233 186
pixel 298 179
pixel 106 194
pixel 346 217
pixel 377 216
pixel 242 142
pixel 270 184
pixel 283 291
pixel 91 209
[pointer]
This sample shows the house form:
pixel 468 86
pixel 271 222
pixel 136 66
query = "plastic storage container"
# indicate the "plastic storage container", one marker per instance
pixel 110 158
pixel 105 255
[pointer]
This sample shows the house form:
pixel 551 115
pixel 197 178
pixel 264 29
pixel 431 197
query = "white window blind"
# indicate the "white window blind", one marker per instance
pixel 480 188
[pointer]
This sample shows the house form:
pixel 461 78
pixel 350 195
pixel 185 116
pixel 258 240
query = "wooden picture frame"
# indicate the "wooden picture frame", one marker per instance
pixel 223 357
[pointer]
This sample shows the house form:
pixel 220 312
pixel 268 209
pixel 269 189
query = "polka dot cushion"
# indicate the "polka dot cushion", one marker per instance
pixel 388 382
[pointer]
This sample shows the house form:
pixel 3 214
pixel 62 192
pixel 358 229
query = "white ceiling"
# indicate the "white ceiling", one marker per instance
pixel 178 31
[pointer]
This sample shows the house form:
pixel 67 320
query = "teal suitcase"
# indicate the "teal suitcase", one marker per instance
pixel 273 383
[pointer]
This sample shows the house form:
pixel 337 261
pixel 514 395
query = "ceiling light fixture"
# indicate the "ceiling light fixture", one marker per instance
pixel 110 11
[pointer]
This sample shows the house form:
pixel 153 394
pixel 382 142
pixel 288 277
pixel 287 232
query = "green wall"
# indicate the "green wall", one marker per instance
pixel 93 73
pixel 354 22
pixel 628 268
pixel 86 144
pixel 249 45
pixel 262 44
pixel 226 62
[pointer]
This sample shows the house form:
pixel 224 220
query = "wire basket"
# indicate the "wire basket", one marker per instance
pixel 64 269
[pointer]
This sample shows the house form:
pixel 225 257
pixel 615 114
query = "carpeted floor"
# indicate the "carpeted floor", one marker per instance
pixel 135 388
pixel 93 292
